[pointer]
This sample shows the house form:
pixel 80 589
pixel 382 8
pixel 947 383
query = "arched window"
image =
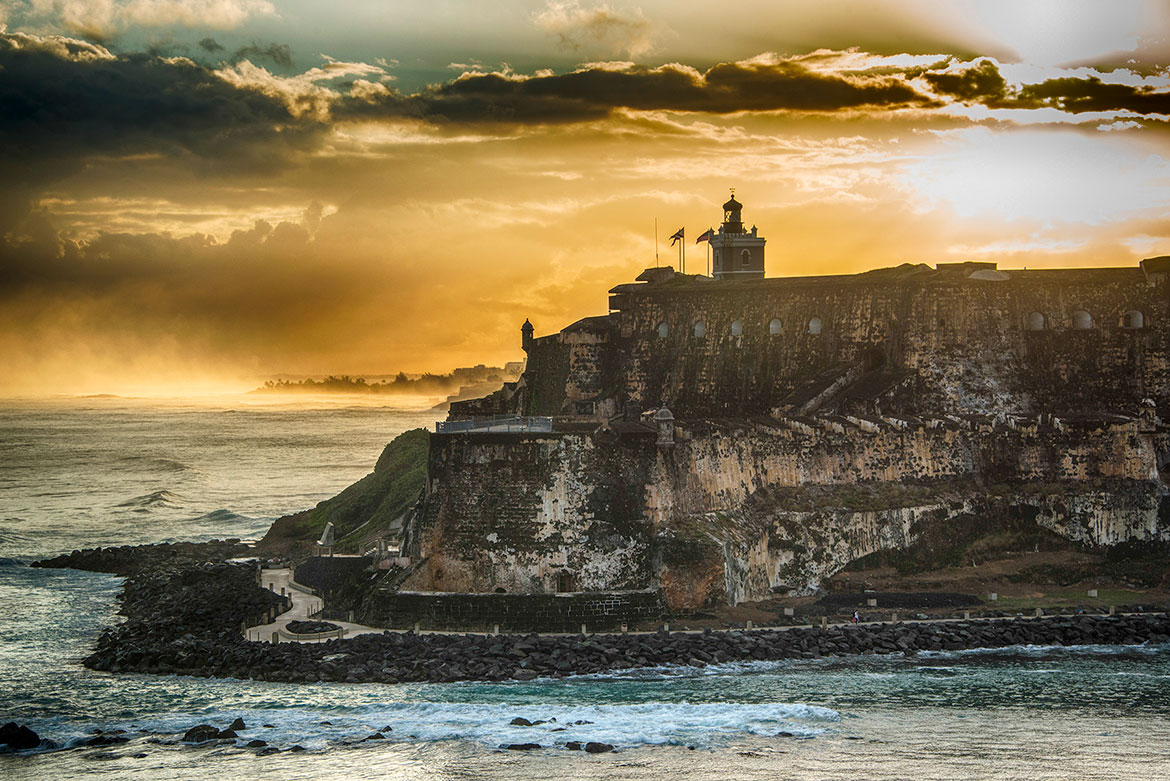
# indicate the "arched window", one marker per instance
pixel 774 326
pixel 1133 319
pixel 718 264
pixel 1036 322
pixel 737 327
pixel 700 329
pixel 1081 320
pixel 814 325
pixel 663 330
pixel 745 257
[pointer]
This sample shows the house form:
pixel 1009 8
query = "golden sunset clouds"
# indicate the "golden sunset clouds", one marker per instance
pixel 217 207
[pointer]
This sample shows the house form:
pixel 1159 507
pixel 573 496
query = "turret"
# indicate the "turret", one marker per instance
pixel 526 335
pixel 664 420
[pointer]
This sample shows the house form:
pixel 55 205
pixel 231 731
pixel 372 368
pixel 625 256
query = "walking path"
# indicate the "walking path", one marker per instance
pixel 304 604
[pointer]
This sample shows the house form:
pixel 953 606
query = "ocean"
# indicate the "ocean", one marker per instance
pixel 109 471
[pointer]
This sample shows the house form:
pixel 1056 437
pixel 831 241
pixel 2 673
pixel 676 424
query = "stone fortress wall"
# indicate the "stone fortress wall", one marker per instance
pixel 812 421
pixel 967 337
pixel 723 513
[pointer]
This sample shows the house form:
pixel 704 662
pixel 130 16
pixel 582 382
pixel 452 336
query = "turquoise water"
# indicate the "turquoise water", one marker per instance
pixel 1015 713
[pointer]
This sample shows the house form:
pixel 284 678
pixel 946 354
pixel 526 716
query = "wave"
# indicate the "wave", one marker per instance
pixel 152 500
pixel 623 726
pixel 1031 652
pixel 155 464
pixel 220 516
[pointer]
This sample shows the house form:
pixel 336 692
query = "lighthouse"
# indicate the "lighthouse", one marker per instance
pixel 738 253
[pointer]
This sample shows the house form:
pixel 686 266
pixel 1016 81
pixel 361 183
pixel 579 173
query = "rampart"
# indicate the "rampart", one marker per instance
pixel 965 338
pixel 565 612
pixel 740 509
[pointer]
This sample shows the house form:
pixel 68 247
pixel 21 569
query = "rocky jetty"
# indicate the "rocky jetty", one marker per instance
pixel 174 617
pixel 130 560
pixel 188 622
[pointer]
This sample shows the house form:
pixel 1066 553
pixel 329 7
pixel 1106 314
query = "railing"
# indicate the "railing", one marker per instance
pixel 494 423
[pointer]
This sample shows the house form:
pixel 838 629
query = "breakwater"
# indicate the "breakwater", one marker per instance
pixel 187 622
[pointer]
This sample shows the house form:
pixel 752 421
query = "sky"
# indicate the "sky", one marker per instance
pixel 200 194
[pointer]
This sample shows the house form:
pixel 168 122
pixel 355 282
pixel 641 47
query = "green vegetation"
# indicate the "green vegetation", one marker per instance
pixel 367 508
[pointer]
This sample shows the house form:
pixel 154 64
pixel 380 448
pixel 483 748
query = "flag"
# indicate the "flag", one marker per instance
pixel 677 236
pixel 706 236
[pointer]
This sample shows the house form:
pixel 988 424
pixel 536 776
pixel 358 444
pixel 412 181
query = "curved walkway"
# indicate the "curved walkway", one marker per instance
pixel 304 604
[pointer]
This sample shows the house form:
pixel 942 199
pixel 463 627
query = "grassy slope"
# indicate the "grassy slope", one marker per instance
pixel 365 508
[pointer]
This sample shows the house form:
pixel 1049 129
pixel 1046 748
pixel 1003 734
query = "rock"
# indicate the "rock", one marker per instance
pixel 521 746
pixel 200 733
pixel 257 743
pixel 387 728
pixel 573 745
pixel 18 737
pixel 226 734
pixel 264 752
pixel 375 736
pixel 238 725
pixel 598 748
pixel 296 748
pixel 104 740
pixel 520 721
pixel 784 734
pixel 524 675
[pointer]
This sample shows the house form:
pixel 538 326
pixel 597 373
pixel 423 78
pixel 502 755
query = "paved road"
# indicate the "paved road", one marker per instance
pixel 304 605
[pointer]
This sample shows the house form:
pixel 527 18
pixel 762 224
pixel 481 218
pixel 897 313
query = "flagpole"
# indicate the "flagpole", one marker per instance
pixel 683 243
pixel 655 242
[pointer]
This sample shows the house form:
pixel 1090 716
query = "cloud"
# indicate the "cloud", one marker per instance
pixel 978 83
pixel 597 28
pixel 104 19
pixel 1079 95
pixel 63 101
pixel 983 83
pixel 279 53
pixel 599 89
pixel 210 45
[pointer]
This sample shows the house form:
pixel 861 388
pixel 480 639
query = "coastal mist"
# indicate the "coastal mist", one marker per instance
pixel 81 473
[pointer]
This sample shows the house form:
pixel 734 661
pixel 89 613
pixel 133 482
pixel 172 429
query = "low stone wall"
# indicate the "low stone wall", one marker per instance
pixel 514 612
pixel 326 574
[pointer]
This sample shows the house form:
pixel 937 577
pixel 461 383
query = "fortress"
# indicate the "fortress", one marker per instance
pixel 734 437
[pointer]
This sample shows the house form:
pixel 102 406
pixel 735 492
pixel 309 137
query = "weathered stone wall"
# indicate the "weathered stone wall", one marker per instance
pixel 533 513
pixel 727 513
pixel 566 612
pixel 966 341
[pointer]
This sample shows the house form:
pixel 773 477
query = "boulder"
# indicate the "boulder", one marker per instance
pixel 238 725
pixel 200 733
pixel 18 737
pixel 598 748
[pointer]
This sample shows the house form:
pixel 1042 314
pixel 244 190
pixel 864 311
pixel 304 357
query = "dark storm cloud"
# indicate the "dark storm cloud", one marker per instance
pixel 210 45
pixel 980 83
pixel 1077 95
pixel 278 53
pixel 593 93
pixel 983 83
pixel 62 101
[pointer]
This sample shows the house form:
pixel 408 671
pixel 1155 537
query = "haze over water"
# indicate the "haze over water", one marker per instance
pixel 82 472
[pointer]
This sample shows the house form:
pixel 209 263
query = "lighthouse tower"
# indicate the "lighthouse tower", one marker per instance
pixel 738 254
